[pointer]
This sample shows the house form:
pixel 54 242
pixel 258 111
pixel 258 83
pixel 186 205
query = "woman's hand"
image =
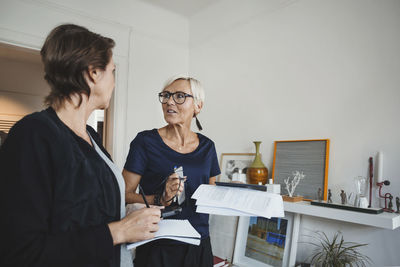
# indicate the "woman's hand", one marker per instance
pixel 174 186
pixel 136 226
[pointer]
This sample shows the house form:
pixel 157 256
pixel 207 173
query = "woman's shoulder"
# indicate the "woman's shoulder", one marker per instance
pixel 37 126
pixel 35 122
pixel 146 136
pixel 205 138
pixel 205 142
pixel 146 133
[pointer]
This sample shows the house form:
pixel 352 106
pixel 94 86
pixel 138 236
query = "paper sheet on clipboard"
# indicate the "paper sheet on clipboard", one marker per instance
pixel 180 230
pixel 237 201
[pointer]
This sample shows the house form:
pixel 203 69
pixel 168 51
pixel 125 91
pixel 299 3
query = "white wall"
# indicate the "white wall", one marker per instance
pixel 306 69
pixel 22 87
pixel 272 70
pixel 152 45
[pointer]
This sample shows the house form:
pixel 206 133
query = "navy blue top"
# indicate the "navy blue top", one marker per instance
pixel 154 160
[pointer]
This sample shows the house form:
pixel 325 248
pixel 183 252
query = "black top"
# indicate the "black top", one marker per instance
pixel 56 197
pixel 154 160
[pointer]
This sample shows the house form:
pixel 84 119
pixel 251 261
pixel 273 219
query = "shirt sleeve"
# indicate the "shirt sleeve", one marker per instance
pixel 26 195
pixel 137 157
pixel 215 170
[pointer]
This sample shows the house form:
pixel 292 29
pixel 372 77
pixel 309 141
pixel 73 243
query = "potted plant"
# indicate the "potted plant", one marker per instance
pixel 336 252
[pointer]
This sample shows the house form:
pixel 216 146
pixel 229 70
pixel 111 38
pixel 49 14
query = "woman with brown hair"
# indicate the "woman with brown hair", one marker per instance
pixel 61 196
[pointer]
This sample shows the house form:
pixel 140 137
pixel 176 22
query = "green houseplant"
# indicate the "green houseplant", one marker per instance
pixel 336 252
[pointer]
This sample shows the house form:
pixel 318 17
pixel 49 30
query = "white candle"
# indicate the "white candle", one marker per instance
pixel 379 176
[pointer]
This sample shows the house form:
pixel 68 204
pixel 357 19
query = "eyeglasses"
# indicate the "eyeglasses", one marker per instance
pixel 178 97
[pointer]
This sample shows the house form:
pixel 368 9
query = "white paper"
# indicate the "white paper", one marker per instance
pixel 221 211
pixel 180 230
pixel 254 202
pixel 182 239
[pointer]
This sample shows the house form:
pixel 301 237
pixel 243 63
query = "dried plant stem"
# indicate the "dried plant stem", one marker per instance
pixel 291 185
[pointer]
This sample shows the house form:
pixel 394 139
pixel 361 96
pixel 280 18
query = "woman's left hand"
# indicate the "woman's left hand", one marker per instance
pixel 174 186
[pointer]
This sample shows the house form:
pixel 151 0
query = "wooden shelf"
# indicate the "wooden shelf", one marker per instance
pixel 384 220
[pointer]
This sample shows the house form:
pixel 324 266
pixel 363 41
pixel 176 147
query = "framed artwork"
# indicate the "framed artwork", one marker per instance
pixel 308 156
pixel 232 162
pixel 262 242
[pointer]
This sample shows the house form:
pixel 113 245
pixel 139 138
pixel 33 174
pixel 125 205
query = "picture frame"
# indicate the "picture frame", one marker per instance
pixel 262 242
pixel 231 162
pixel 308 156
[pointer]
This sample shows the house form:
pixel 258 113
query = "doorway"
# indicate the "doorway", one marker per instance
pixel 23 89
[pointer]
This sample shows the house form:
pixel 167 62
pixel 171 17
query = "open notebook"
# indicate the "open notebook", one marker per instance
pixel 180 230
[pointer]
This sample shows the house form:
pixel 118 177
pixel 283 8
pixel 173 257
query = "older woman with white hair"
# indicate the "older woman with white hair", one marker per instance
pixel 152 159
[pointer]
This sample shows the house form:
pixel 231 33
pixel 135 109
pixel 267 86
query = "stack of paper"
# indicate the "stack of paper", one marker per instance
pixel 222 200
pixel 180 230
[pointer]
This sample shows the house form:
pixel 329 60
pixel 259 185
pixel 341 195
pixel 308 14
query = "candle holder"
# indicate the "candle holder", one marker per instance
pixel 360 199
pixel 388 206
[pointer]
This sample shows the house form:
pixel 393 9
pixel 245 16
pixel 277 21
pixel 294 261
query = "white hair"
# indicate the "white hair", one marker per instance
pixel 195 86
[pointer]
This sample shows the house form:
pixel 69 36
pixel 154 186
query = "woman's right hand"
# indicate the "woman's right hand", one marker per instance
pixel 136 226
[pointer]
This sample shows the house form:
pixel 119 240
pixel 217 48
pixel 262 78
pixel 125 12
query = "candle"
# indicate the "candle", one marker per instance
pixel 379 176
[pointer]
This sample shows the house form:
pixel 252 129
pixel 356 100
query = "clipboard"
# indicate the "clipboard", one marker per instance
pixel 249 186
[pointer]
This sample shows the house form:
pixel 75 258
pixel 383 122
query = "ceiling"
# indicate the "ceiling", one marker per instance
pixel 186 8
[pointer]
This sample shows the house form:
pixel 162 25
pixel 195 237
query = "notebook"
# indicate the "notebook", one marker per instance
pixel 180 230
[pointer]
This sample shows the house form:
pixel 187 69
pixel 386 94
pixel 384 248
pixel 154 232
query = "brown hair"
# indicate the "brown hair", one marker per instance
pixel 67 54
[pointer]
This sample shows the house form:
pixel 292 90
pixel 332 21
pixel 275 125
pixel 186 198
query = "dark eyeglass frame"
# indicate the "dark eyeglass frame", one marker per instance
pixel 161 96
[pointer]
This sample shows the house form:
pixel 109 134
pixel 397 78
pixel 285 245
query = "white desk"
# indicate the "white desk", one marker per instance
pixel 384 220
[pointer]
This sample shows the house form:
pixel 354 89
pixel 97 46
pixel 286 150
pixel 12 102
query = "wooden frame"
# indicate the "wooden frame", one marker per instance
pixel 263 247
pixel 309 156
pixel 241 160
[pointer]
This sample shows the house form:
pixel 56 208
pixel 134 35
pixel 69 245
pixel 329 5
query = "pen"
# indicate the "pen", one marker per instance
pixel 143 196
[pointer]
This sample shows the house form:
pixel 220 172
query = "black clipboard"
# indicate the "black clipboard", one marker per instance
pixel 239 185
